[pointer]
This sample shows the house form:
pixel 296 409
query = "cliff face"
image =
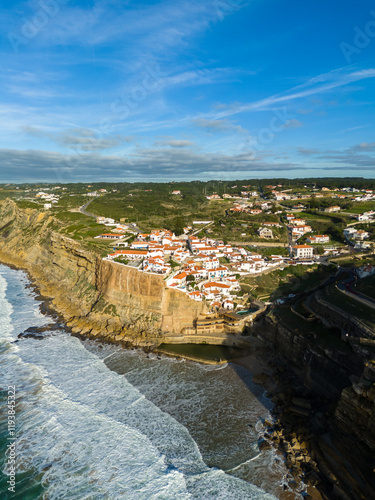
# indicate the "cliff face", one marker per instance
pixel 340 382
pixel 95 297
pixel 144 301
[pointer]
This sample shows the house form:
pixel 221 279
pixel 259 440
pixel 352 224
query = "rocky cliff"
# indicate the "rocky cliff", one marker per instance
pixel 95 297
pixel 337 417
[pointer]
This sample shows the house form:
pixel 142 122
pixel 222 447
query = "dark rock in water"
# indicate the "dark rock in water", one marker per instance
pixel 25 335
pixel 35 332
pixel 263 444
pixel 292 484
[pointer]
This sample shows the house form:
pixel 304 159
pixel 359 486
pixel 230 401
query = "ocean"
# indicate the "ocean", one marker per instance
pixel 95 421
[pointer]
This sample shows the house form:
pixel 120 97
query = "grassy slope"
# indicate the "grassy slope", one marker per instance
pixel 293 279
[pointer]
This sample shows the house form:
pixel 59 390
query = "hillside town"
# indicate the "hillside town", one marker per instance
pixel 192 265
pixel 201 260
pixel 204 269
pixel 207 269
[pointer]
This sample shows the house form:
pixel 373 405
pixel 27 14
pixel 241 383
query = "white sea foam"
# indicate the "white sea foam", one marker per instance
pixel 86 430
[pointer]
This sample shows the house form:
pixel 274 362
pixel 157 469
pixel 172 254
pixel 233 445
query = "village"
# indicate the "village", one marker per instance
pixel 209 270
pixel 210 259
pixel 194 266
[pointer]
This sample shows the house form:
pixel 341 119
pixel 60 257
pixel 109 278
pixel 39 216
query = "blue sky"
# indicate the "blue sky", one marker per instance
pixel 163 90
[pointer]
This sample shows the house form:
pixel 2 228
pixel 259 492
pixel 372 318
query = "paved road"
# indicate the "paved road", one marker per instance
pixel 259 243
pixel 202 228
pixel 83 209
pixel 367 301
pixel 89 214
pixel 359 222
pixel 348 288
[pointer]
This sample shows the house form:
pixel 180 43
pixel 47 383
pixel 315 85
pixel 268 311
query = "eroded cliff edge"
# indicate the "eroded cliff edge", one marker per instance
pixel 95 297
pixel 325 405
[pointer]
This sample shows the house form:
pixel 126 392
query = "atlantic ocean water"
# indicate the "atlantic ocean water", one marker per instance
pixel 95 421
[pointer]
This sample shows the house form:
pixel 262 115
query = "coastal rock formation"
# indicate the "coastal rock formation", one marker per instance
pixel 95 297
pixel 328 399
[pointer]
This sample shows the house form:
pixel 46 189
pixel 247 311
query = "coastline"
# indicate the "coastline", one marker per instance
pixel 262 373
pixel 45 305
pixel 286 433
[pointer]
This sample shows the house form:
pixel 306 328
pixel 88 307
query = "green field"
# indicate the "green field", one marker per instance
pixel 268 251
pixel 360 207
pixel 354 260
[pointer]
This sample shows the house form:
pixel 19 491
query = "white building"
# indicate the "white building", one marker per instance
pixel 319 238
pixel 334 208
pixel 362 217
pixel 361 235
pixel 349 231
pixel 302 251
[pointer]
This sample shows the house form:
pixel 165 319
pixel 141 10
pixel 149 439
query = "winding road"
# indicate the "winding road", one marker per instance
pixel 83 209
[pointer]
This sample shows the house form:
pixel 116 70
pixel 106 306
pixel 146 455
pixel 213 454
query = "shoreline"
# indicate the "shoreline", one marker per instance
pixel 45 302
pixel 260 370
pixel 286 433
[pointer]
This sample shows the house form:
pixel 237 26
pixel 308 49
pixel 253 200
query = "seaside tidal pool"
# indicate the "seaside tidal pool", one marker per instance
pixel 95 421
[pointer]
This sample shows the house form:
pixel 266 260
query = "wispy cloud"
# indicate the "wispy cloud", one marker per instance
pixel 173 158
pixel 217 125
pixel 79 139
pixel 307 151
pixel 87 140
pixel 317 85
pixel 363 147
pixel 294 123
pixel 175 143
pixel 358 156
